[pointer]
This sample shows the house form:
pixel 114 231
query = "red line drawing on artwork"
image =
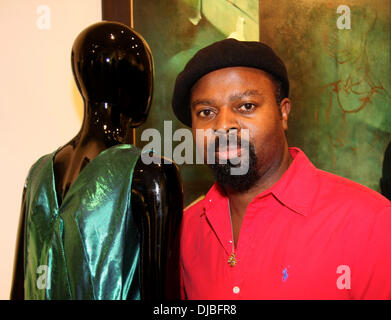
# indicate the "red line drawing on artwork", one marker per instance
pixel 356 86
pixel 358 76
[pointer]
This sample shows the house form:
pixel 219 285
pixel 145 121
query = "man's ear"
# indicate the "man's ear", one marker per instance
pixel 285 107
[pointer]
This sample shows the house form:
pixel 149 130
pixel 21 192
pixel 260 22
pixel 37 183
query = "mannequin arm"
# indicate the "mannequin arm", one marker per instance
pixel 157 202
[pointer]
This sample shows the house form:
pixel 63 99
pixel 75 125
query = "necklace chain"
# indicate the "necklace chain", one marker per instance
pixel 232 258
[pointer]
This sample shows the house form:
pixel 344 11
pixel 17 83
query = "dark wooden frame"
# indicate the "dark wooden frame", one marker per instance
pixel 118 10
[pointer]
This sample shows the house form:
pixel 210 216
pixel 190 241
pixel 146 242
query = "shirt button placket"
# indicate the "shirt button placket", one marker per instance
pixel 236 290
pixel 236 279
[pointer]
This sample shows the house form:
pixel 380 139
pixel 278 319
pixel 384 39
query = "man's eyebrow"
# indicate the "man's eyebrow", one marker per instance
pixel 234 97
pixel 204 102
pixel 247 93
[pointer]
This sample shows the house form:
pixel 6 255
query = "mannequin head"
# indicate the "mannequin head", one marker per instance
pixel 113 69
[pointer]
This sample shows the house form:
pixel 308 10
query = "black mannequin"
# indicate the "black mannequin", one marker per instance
pixel 385 180
pixel 113 69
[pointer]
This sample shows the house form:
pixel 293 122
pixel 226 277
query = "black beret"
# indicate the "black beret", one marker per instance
pixel 223 54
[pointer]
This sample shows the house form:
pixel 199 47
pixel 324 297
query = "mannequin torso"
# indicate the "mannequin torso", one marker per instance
pixel 113 69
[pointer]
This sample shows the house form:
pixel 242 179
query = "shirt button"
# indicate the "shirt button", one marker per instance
pixel 236 290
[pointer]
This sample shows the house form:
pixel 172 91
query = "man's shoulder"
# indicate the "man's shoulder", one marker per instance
pixel 196 206
pixel 341 189
pixel 191 221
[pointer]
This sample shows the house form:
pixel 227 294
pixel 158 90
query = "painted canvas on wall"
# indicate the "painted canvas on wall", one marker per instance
pixel 175 31
pixel 338 60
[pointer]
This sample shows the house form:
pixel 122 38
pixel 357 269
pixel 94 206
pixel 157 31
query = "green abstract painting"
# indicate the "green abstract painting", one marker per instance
pixel 338 60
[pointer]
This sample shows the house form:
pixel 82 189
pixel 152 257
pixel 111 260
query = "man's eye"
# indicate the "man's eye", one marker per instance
pixel 205 113
pixel 247 107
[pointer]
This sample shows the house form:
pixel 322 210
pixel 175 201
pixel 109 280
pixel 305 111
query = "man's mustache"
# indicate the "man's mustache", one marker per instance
pixel 229 142
pixel 225 147
pixel 226 143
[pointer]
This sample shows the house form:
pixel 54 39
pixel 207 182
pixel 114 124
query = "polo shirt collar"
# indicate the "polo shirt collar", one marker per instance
pixel 296 188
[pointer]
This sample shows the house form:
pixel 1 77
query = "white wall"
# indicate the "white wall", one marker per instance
pixel 40 107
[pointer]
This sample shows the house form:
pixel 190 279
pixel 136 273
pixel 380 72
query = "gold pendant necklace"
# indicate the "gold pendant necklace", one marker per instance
pixel 232 258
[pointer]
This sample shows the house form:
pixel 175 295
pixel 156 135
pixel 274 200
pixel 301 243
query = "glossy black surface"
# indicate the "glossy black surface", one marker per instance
pixel 113 69
pixel 385 181
pixel 112 65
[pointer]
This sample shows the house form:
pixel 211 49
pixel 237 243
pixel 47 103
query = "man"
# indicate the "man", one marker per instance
pixel 283 229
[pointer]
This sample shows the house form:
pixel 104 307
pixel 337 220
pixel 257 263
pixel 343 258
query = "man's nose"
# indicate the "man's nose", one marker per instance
pixel 226 122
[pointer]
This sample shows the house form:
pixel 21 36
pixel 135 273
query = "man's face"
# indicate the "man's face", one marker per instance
pixel 237 98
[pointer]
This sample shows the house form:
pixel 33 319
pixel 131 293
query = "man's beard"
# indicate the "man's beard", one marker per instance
pixel 239 182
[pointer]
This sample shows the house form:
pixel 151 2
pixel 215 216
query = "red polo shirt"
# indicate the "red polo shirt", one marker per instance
pixel 313 235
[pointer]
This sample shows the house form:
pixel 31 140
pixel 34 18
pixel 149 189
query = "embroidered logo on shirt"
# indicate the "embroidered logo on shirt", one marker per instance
pixel 285 274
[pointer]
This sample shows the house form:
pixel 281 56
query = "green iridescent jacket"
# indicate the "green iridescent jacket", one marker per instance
pixel 88 247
